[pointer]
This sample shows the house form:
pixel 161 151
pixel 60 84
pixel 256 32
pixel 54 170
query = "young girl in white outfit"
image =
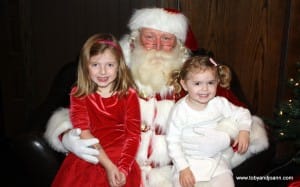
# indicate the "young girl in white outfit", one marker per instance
pixel 195 118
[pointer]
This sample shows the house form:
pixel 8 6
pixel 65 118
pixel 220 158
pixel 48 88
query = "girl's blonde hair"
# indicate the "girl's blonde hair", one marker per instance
pixel 98 44
pixel 201 63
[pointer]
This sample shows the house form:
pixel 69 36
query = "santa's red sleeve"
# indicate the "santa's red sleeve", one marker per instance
pixel 227 93
pixel 295 182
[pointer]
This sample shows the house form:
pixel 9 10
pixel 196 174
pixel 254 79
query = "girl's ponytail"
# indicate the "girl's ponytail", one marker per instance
pixel 175 81
pixel 224 75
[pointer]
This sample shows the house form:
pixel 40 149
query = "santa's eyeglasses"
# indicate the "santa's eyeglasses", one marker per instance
pixel 155 39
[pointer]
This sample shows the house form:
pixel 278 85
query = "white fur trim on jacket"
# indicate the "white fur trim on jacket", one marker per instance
pixel 157 177
pixel 125 45
pixel 258 140
pixel 160 19
pixel 154 114
pixel 58 123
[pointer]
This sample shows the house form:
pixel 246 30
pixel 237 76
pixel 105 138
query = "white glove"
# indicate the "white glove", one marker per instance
pixel 204 142
pixel 80 147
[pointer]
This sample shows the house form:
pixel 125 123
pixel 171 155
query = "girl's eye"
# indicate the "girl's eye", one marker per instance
pixel 212 82
pixel 94 64
pixel 111 65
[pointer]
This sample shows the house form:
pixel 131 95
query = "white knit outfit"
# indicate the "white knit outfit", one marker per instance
pixel 194 141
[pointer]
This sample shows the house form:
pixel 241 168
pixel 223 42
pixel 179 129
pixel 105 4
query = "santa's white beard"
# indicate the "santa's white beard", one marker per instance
pixel 152 68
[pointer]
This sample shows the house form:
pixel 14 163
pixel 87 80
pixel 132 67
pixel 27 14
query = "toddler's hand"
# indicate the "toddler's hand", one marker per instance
pixel 186 178
pixel 241 144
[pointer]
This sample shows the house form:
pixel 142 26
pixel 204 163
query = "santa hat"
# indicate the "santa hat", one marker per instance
pixel 166 20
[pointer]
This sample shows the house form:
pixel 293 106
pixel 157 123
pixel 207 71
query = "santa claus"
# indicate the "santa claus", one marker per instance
pixel 159 42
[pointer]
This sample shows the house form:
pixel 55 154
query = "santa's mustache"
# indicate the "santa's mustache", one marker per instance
pixel 159 56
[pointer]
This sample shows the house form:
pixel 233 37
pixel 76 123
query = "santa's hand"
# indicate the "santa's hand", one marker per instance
pixel 81 147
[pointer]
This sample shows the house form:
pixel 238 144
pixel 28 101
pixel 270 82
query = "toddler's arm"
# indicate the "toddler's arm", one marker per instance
pixel 242 141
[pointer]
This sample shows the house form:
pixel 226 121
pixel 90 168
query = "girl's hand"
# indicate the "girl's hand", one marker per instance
pixel 122 179
pixel 242 142
pixel 186 178
pixel 113 176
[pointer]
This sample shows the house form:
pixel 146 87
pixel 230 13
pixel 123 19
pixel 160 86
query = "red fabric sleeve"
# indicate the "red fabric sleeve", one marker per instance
pixel 133 129
pixel 227 93
pixel 78 112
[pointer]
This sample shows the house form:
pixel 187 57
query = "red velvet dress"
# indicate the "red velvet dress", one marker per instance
pixel 116 123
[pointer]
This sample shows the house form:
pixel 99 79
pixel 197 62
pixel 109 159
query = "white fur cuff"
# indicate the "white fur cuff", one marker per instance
pixel 58 123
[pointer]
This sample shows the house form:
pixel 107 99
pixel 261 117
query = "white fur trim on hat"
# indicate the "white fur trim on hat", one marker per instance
pixel 58 123
pixel 160 19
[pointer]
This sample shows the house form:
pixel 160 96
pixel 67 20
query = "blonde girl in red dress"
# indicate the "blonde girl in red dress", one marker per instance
pixel 104 105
